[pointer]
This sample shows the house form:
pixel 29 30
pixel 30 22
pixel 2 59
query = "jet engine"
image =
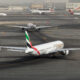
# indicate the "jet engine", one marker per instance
pixel 66 52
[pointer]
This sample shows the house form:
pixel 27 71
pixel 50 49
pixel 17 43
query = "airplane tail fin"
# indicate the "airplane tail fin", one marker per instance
pixel 78 8
pixel 71 12
pixel 28 42
pixel 51 10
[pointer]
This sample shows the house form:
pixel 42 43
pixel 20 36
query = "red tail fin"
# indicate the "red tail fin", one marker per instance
pixel 71 12
pixel 51 10
pixel 78 8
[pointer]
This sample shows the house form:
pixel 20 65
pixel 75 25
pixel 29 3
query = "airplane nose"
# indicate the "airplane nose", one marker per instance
pixel 60 44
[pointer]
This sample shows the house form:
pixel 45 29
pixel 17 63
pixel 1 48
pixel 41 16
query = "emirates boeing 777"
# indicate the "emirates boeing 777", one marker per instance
pixel 50 48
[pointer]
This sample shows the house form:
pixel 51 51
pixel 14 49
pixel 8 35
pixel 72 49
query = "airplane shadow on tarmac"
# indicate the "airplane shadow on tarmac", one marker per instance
pixel 30 61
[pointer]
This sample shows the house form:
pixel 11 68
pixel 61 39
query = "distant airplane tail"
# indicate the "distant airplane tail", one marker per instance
pixel 51 10
pixel 71 12
pixel 29 44
pixel 78 8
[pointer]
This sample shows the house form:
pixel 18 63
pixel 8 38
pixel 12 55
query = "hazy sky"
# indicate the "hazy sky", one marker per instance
pixel 24 1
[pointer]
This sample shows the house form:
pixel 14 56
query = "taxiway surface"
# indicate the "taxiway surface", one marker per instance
pixel 19 66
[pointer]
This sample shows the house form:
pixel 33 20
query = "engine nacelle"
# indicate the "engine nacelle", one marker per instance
pixel 38 29
pixel 66 52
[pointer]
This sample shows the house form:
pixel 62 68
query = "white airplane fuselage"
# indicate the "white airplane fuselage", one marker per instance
pixel 46 48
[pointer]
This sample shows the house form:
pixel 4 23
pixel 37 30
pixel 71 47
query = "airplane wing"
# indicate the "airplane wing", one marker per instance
pixel 43 27
pixel 14 49
pixel 64 49
pixel 25 27
pixel 70 49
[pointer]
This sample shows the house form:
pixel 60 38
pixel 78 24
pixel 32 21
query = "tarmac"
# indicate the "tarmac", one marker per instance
pixel 18 66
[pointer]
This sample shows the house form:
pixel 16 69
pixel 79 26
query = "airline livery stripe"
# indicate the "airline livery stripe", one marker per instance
pixel 27 41
pixel 27 37
pixel 34 48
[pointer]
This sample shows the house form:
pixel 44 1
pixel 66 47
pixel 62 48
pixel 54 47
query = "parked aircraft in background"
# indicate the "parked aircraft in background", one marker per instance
pixel 74 13
pixel 42 11
pixel 50 48
pixel 3 14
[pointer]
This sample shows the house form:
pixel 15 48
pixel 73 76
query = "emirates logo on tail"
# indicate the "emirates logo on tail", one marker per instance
pixel 29 44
